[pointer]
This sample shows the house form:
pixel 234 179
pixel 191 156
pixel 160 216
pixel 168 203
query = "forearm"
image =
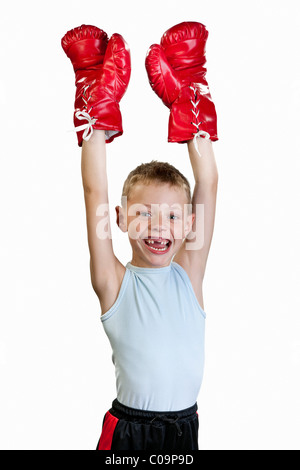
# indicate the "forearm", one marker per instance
pixel 204 167
pixel 93 164
pixel 94 179
pixel 204 194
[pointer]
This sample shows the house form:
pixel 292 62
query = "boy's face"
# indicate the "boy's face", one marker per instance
pixel 157 223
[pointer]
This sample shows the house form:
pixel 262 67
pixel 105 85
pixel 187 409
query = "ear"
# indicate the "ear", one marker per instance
pixel 189 224
pixel 121 218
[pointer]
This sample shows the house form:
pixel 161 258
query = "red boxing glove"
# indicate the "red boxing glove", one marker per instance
pixel 177 75
pixel 102 73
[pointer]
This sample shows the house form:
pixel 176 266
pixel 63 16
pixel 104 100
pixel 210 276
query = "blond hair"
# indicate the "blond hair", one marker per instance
pixel 156 172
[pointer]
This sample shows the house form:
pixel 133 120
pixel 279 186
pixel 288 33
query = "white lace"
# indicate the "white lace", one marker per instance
pixel 196 111
pixel 84 115
pixel 88 128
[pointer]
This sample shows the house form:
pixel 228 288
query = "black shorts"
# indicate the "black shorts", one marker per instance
pixel 129 429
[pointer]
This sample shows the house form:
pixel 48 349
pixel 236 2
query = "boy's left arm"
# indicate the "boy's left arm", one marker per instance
pixel 177 73
pixel 194 251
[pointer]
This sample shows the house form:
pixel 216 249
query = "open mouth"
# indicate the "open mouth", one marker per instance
pixel 158 246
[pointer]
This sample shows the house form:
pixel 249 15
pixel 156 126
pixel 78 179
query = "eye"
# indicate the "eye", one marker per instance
pixel 144 214
pixel 174 217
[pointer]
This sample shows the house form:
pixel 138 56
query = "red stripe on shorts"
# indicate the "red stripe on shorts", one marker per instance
pixel 109 426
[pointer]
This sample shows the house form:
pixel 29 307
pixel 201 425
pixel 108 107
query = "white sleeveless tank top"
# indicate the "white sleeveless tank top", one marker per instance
pixel 156 330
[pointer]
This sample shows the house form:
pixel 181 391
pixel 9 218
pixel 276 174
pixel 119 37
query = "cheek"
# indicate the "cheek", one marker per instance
pixel 178 230
pixel 136 227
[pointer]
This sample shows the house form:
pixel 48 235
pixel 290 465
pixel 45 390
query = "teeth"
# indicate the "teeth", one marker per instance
pixel 163 243
pixel 152 242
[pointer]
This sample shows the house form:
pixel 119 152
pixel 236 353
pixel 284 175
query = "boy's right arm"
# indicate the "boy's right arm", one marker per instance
pixel 106 270
pixel 102 72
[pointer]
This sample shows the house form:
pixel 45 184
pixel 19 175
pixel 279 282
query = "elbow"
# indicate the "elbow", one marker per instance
pixel 100 191
pixel 210 182
pixel 89 189
pixel 208 178
pixel 215 181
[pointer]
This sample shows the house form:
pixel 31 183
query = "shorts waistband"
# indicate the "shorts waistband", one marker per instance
pixel 133 413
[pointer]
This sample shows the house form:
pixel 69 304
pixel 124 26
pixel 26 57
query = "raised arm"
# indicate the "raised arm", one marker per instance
pixel 102 73
pixel 177 74
pixel 106 270
pixel 194 252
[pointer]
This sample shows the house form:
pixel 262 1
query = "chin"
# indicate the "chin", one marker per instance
pixel 156 252
pixel 161 263
pixel 158 258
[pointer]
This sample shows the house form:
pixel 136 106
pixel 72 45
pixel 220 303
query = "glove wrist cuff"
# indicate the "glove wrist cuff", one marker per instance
pixel 192 115
pixel 99 111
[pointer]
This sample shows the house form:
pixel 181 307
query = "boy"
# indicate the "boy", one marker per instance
pixel 152 308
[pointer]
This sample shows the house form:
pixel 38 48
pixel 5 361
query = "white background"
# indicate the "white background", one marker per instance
pixel 57 379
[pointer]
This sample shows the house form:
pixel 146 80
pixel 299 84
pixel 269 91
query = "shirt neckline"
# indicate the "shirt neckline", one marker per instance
pixel 138 269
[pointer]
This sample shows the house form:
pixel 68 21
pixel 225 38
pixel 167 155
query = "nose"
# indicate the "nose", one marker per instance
pixel 159 225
